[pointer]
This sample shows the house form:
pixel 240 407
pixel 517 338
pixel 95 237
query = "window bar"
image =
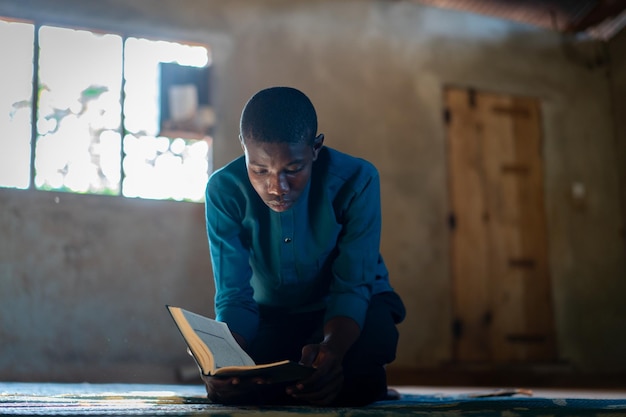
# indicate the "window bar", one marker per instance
pixel 122 123
pixel 34 106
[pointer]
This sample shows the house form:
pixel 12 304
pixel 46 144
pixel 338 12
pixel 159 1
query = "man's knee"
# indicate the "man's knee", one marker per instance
pixel 378 341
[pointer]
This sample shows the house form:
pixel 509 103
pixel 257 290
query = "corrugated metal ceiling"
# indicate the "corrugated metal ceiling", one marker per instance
pixel 600 19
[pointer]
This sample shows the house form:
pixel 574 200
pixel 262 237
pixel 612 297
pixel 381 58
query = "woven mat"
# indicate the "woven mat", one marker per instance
pixel 182 400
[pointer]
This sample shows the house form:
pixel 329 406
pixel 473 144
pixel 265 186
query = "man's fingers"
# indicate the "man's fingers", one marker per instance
pixel 323 396
pixel 309 353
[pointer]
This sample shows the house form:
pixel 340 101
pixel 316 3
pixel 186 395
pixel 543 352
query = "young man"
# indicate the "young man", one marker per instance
pixel 294 233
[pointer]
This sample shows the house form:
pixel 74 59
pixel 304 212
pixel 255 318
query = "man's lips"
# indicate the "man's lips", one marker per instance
pixel 280 204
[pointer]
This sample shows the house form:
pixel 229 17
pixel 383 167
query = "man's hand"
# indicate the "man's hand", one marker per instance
pixel 233 390
pixel 325 384
pixel 243 390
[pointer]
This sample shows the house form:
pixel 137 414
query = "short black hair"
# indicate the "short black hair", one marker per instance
pixel 279 114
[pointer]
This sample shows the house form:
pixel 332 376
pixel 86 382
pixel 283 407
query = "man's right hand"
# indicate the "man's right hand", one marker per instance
pixel 240 390
pixel 222 390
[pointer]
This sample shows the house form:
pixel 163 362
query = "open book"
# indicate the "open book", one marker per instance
pixel 217 353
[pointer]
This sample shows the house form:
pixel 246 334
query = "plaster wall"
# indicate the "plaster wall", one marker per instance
pixel 84 281
pixel 376 71
pixel 617 54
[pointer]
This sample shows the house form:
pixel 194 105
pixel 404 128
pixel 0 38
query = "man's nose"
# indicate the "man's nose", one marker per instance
pixel 278 185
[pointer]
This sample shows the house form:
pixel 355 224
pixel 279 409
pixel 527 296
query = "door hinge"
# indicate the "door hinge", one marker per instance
pixel 457 328
pixel 447 116
pixel 471 97
pixel 452 222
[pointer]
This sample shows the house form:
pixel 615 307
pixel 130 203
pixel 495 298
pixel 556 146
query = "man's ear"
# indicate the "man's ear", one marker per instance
pixel 318 143
pixel 243 146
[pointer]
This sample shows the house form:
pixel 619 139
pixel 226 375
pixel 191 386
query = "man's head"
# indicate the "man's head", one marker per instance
pixel 279 137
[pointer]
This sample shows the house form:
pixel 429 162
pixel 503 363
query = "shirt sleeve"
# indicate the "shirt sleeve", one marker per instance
pixel 357 264
pixel 234 303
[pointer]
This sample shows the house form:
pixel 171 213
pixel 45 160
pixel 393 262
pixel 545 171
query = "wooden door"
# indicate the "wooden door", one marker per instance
pixel 501 284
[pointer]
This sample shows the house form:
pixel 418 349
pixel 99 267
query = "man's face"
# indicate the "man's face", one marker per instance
pixel 279 172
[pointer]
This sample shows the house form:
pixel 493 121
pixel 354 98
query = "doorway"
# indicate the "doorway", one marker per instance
pixel 502 299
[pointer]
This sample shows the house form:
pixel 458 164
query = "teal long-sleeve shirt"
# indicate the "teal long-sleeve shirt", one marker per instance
pixel 322 253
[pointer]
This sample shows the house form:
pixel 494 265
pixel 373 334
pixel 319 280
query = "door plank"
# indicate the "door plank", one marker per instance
pixel 470 294
pixel 500 271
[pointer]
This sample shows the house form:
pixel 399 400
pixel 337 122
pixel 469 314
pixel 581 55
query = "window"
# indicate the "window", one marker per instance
pixel 94 124
pixel 16 43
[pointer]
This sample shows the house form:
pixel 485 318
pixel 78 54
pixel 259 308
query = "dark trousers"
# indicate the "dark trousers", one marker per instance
pixel 282 336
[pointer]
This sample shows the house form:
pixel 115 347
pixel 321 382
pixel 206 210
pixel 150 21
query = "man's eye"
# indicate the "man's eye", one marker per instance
pixel 293 170
pixel 259 171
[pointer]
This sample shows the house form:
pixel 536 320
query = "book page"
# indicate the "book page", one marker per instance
pixel 217 337
pixel 217 352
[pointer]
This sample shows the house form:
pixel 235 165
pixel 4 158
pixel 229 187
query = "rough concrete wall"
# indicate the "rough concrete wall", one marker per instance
pixel 617 54
pixel 376 72
pixel 84 281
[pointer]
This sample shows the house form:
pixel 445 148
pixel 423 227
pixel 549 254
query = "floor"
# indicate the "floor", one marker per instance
pixel 540 375
pixel 56 399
